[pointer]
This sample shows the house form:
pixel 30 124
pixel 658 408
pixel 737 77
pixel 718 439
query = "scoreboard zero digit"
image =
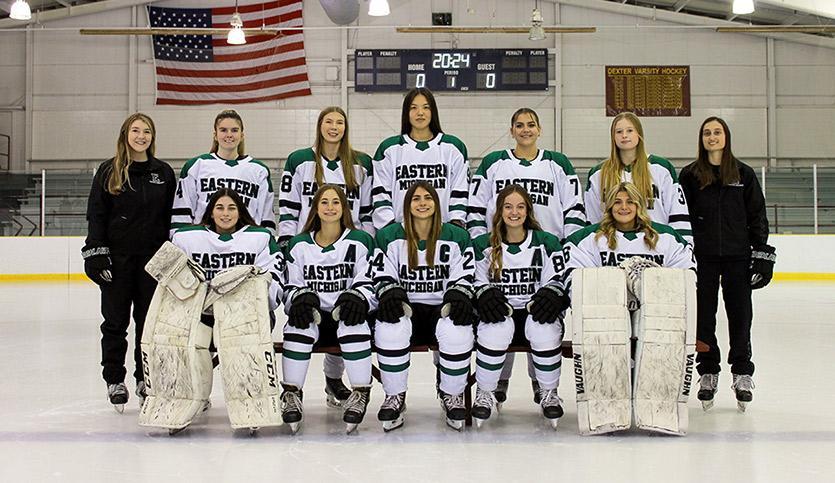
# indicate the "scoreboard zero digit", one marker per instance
pixel 451 70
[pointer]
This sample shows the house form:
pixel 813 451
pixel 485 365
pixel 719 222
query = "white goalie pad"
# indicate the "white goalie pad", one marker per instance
pixel 666 350
pixel 245 348
pixel 175 355
pixel 601 346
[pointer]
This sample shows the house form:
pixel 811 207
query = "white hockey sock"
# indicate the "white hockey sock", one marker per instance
pixel 355 343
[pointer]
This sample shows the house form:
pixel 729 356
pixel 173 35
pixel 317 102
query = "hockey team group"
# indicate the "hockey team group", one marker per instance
pixel 377 255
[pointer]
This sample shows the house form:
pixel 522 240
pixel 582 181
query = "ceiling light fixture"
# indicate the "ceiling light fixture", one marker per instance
pixel 378 8
pixel 20 10
pixel 743 7
pixel 236 34
pixel 536 32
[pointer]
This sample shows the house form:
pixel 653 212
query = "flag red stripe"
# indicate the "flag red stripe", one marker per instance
pixel 163 86
pixel 283 95
pixel 255 39
pixel 231 72
pixel 269 21
pixel 257 54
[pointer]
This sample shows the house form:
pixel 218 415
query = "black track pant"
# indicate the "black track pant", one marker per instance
pixel 131 286
pixel 735 279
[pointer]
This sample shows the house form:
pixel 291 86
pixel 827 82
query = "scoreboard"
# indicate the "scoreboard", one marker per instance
pixel 451 70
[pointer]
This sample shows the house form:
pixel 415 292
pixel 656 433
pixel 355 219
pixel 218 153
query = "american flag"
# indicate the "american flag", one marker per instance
pixel 204 69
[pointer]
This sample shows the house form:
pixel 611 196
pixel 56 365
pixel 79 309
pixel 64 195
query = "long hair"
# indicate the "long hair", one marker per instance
pixel 347 156
pixel 642 220
pixel 499 232
pixel 610 173
pixel 244 218
pixel 117 175
pixel 229 114
pixel 434 123
pixel 728 168
pixel 314 223
pixel 409 225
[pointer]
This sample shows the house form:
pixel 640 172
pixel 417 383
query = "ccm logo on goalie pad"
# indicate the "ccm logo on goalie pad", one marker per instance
pixel 268 358
pixel 578 374
pixel 688 374
pixel 145 371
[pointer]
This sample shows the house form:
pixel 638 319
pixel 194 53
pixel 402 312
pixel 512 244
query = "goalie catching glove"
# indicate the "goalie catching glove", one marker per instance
pixel 351 307
pixel 762 266
pixel 547 304
pixel 304 309
pixel 492 305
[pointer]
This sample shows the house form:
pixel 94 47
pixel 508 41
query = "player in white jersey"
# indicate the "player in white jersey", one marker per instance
pixel 331 160
pixel 654 176
pixel 422 152
pixel 226 237
pixel 554 188
pixel 519 266
pixel 226 166
pixel 327 270
pixel 423 269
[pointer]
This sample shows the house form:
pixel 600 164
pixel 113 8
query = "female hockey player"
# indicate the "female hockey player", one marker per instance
pixel 520 266
pixel 552 184
pixel 128 215
pixel 422 152
pixel 328 278
pixel 423 270
pixel 730 229
pixel 225 166
pixel 655 177
pixel 331 160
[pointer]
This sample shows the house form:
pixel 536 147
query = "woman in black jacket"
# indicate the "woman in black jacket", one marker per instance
pixel 128 215
pixel 730 235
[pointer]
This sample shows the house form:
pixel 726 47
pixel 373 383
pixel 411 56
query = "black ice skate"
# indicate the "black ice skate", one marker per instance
pixel 453 406
pixel 392 410
pixel 708 385
pixel 483 406
pixel 501 393
pixel 537 396
pixel 355 407
pixel 118 395
pixel 141 392
pixel 551 406
pixel 292 411
pixel 743 386
pixel 336 392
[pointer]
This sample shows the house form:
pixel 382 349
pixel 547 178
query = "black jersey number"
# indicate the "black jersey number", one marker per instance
pixel 476 184
pixel 469 257
pixel 286 183
pixel 377 265
pixel 576 184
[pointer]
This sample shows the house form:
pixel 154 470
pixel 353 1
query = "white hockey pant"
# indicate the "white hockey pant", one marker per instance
pixel 354 342
pixel 666 349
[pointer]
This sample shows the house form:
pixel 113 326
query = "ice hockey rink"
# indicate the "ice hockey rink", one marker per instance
pixel 57 425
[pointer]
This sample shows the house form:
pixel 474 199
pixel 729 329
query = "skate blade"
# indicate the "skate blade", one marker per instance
pixel 119 408
pixel 706 405
pixel 295 427
pixel 478 422
pixel 455 424
pixel 332 402
pixel 554 423
pixel 350 427
pixel 741 406
pixel 253 431
pixel 394 424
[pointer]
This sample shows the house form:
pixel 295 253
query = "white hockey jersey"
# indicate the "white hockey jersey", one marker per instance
pixel 251 245
pixel 298 185
pixel 205 174
pixel 329 270
pixel 671 250
pixel 454 263
pixel 538 260
pixel 669 208
pixel 549 178
pixel 400 161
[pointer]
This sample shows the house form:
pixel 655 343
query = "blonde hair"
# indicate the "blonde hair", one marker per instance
pixel 643 222
pixel 347 156
pixel 117 176
pixel 499 232
pixel 612 169
pixel 229 114
pixel 409 226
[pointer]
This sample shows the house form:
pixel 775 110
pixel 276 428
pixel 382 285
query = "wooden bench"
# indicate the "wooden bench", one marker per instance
pixel 468 397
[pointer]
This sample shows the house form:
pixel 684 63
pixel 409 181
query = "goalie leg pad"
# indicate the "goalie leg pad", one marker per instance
pixel 666 350
pixel 247 361
pixel 173 269
pixel 601 349
pixel 175 359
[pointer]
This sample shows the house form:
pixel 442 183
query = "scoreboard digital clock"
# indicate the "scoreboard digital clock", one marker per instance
pixel 451 70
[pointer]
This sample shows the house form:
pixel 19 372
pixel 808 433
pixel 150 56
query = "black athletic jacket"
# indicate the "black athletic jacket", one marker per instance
pixel 135 222
pixel 727 220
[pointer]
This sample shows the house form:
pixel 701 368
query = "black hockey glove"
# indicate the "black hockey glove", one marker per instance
pixel 301 309
pixel 353 308
pixel 547 304
pixel 392 299
pixel 762 266
pixel 492 305
pixel 460 300
pixel 97 264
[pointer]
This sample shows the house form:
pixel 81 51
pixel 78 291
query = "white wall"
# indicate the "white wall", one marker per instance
pixel 62 255
pixel 82 87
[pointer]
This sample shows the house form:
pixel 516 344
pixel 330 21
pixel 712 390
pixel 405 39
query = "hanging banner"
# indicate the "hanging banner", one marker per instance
pixel 648 90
